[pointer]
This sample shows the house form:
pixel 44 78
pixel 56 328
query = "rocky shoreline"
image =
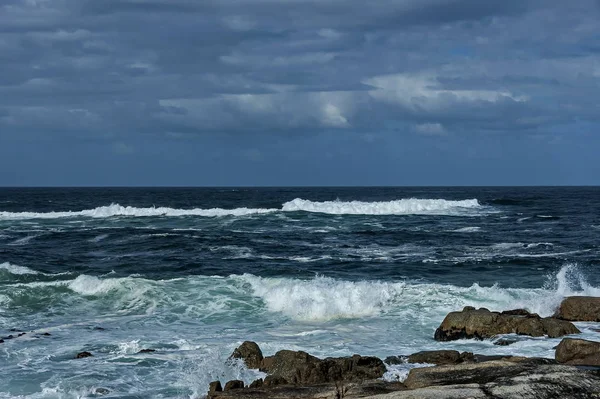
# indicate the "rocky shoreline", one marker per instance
pixel 573 373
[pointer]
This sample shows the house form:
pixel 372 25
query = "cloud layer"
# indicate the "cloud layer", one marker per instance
pixel 124 71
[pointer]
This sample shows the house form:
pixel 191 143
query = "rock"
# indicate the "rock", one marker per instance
pixel 21 334
pixel 81 355
pixel 482 323
pixel 147 351
pixel 505 341
pixel 395 360
pixel 256 383
pixel 299 367
pixel 46 334
pixel 516 312
pixel 501 379
pixel 440 357
pixel 233 384
pixel 274 380
pixel 579 308
pixel 214 386
pixel 102 391
pixel 250 353
pixel 1 341
pixel 579 352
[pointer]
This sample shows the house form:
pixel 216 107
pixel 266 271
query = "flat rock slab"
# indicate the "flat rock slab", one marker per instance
pixel 503 379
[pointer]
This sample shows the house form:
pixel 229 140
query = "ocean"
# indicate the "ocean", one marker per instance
pixel 194 272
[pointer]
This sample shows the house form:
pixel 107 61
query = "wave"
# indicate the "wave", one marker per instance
pixel 411 206
pixel 250 297
pixel 118 210
pixel 17 270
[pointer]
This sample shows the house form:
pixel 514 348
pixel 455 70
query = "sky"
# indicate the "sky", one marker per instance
pixel 299 92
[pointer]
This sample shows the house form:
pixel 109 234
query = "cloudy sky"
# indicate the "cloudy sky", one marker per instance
pixel 299 92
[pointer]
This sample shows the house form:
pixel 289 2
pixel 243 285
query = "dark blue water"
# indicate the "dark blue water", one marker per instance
pixel 554 225
pixel 192 272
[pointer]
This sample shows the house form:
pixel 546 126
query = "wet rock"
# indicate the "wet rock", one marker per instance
pixel 516 312
pixel 21 334
pixel 395 360
pixel 233 384
pixel 250 353
pixel 505 341
pixel 440 357
pixel 274 380
pixel 482 323
pixel 1 341
pixel 214 386
pixel 46 334
pixel 579 308
pixel 298 367
pixel 578 352
pixel 256 383
pixel 82 355
pixel 102 391
pixel 147 351
pixel 502 379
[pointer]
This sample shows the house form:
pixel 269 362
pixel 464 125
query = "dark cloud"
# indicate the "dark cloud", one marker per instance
pixel 124 67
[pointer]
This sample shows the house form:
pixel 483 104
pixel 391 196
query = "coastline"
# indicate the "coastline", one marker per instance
pixel 574 372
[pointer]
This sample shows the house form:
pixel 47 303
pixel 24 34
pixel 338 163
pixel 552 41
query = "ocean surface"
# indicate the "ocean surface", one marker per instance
pixel 194 272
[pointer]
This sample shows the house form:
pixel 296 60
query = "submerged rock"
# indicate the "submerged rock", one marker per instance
pixel 82 355
pixel 481 324
pixel 147 351
pixel 579 308
pixel 578 352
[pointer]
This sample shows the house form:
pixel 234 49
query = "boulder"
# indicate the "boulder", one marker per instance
pixel 82 355
pixel 214 386
pixel 249 352
pixel 233 384
pixel 440 357
pixel 299 367
pixel 579 352
pixel 579 308
pixel 481 324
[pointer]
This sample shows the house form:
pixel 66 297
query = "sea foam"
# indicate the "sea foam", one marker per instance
pixel 397 207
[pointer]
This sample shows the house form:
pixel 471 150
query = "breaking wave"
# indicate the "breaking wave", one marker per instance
pixel 411 206
pixel 316 300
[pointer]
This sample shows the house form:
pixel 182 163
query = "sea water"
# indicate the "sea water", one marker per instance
pixel 192 273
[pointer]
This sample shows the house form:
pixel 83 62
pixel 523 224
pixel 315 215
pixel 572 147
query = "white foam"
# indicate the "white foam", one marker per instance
pixel 321 298
pixel 471 229
pixel 14 269
pixel 118 210
pixel 397 207
pixel 324 298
